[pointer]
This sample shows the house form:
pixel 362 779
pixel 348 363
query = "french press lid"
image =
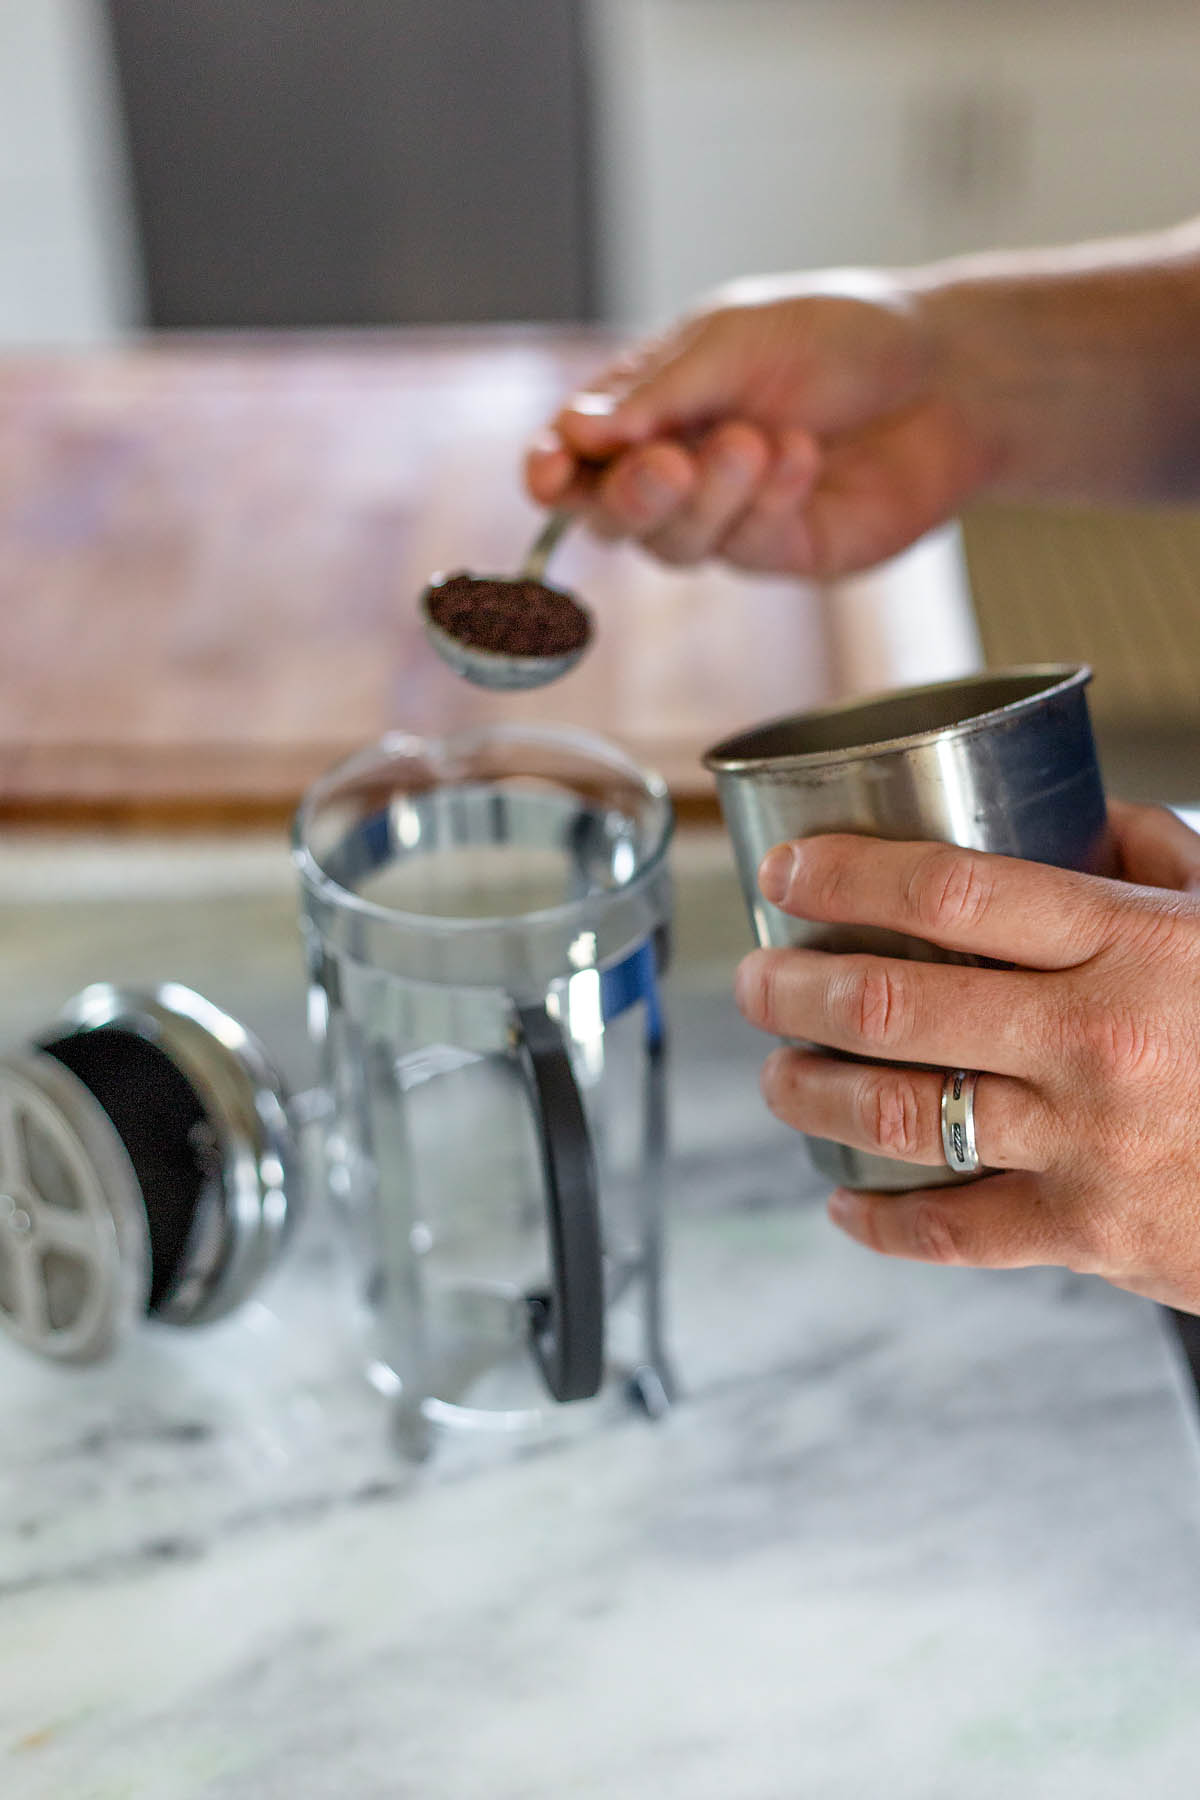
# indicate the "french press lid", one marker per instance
pixel 146 1151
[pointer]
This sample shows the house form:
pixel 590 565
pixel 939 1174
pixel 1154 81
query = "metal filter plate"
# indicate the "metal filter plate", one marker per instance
pixel 74 1245
pixel 203 1114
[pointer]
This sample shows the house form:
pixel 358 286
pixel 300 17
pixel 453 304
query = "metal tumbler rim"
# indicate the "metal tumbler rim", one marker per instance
pixel 764 746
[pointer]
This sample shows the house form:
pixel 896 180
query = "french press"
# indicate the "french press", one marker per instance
pixel 486 925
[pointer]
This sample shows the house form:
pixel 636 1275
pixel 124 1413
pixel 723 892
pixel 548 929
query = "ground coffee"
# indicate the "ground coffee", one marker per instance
pixel 513 618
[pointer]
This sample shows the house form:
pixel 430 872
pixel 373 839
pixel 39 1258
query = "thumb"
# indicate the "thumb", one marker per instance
pixel 1155 847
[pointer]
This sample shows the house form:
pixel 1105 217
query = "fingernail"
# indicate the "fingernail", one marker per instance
pixel 841 1207
pixel 775 873
pixel 593 405
pixel 746 982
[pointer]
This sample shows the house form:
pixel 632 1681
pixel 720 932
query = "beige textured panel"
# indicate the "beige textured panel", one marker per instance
pixel 1117 589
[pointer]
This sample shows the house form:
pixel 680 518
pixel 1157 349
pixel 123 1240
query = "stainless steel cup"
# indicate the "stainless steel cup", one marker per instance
pixel 1003 762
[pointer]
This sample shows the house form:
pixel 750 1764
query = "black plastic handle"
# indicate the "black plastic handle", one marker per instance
pixel 567 1323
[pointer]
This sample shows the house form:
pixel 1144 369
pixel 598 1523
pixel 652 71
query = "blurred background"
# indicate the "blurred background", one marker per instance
pixel 290 163
pixel 294 163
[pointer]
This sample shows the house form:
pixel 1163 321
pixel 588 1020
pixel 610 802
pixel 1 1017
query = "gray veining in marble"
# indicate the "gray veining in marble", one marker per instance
pixel 912 1535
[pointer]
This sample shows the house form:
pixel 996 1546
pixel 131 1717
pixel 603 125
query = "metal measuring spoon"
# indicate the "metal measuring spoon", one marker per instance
pixel 498 668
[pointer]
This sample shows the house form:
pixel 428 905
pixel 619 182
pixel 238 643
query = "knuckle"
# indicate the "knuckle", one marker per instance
pixel 1020 1129
pixel 1116 1043
pixel 1093 1243
pixel 936 1237
pixel 894 1116
pixel 744 547
pixel 1150 927
pixel 949 888
pixel 872 1001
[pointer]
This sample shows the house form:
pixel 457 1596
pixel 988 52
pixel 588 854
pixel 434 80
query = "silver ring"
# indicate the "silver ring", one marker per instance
pixel 958 1121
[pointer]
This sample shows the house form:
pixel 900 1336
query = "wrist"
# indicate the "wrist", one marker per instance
pixel 988 362
pixel 1075 372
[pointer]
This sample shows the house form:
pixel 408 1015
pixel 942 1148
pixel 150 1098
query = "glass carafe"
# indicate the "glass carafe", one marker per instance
pixel 486 920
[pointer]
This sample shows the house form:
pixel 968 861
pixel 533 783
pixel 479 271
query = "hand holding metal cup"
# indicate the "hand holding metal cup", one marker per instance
pixel 1001 762
pixel 994 997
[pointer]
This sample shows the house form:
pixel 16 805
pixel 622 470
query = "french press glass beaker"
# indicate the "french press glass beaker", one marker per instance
pixel 486 920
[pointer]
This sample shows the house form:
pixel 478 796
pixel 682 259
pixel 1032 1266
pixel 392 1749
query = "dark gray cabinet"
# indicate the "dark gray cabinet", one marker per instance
pixel 306 162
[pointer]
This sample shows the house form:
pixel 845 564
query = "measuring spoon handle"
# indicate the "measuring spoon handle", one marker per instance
pixel 544 546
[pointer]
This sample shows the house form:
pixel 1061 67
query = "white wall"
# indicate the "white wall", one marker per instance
pixel 750 135
pixel 734 135
pixel 68 257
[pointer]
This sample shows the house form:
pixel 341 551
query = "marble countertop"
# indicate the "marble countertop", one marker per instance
pixel 910 1533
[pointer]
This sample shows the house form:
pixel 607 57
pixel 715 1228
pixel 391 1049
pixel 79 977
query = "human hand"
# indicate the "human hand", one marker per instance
pixel 1089 1051
pixel 801 425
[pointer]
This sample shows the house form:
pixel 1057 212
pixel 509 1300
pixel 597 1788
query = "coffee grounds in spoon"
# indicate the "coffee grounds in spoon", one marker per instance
pixel 511 618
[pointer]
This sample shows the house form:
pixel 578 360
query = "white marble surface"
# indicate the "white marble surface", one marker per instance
pixel 911 1534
